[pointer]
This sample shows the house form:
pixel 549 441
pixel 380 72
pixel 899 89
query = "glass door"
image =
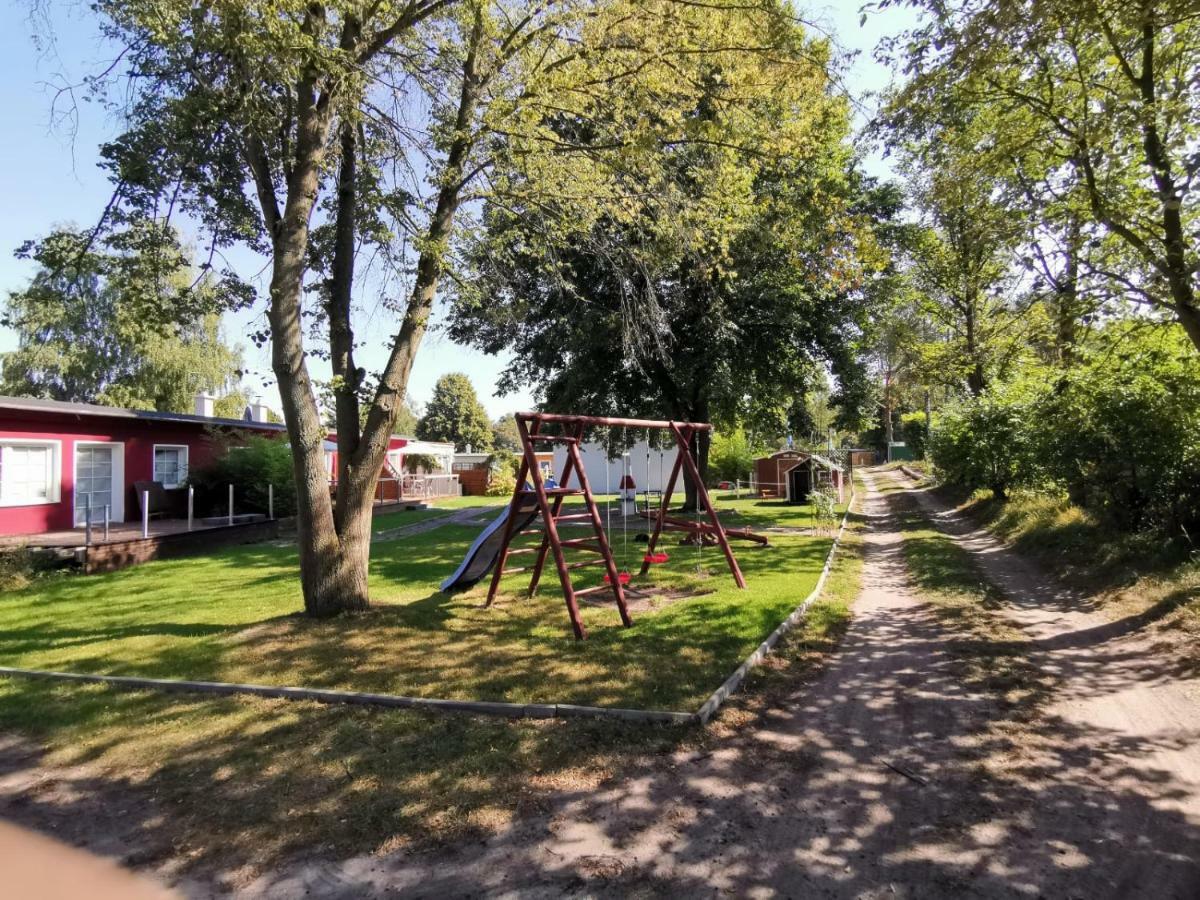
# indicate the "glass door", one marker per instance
pixel 93 481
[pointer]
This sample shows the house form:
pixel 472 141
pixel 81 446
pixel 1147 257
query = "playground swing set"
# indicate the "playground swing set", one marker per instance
pixel 534 499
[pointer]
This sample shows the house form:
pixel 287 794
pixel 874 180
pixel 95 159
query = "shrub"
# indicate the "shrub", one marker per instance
pixel 986 443
pixel 824 503
pixel 250 469
pixel 1121 431
pixel 730 456
pixel 502 473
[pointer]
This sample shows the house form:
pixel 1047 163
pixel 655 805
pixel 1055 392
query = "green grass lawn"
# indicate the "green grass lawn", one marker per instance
pixel 241 783
pixel 752 512
pixel 388 518
pixel 232 616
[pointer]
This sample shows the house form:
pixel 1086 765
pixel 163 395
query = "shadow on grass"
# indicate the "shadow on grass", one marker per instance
pixel 809 809
pixel 231 617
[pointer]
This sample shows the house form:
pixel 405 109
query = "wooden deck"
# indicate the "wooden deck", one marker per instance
pixel 119 532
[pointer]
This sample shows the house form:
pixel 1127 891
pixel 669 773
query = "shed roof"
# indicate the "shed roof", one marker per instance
pixel 803 456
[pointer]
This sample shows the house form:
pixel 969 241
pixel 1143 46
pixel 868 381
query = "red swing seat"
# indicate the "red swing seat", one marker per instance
pixel 654 558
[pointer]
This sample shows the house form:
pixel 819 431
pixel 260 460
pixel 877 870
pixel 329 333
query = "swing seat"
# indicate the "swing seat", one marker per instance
pixel 654 558
pixel 622 577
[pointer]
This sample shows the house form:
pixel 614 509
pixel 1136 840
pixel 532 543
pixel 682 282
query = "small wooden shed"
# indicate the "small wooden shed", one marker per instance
pixel 858 456
pixel 794 474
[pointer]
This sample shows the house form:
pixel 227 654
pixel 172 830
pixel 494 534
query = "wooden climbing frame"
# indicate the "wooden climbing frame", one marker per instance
pixel 548 503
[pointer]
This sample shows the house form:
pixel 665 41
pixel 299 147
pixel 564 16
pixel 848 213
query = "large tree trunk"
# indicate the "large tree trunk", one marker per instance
pixel 332 580
pixel 1067 312
pixel 1189 318
pixel 334 539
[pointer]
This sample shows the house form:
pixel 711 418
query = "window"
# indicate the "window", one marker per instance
pixel 170 465
pixel 28 472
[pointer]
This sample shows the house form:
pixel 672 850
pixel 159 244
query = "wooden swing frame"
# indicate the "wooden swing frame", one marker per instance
pixel 548 503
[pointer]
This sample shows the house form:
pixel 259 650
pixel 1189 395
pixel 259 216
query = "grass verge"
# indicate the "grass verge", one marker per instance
pixel 994 650
pixel 240 784
pixel 1128 574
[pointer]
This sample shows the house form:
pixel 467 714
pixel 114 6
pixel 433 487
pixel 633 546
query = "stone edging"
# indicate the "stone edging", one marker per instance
pixel 318 695
pixel 734 681
pixel 478 707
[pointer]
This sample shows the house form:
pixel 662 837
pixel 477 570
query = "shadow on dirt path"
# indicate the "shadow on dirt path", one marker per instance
pixel 894 774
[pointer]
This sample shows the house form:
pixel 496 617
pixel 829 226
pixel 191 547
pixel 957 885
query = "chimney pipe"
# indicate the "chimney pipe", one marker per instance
pixel 205 404
pixel 258 410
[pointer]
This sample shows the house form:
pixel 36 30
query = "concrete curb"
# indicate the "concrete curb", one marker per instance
pixel 474 707
pixel 318 695
pixel 710 706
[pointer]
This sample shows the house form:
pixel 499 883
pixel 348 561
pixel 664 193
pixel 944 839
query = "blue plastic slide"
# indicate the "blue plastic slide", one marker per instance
pixel 482 555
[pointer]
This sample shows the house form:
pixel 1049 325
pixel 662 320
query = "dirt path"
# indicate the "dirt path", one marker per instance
pixel 1114 678
pixel 891 775
pixel 466 516
pixel 897 772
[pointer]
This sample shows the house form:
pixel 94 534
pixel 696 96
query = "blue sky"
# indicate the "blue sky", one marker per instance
pixel 48 175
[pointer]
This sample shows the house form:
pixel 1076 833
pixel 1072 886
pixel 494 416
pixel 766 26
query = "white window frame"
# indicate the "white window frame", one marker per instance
pixel 54 487
pixel 116 512
pixel 187 462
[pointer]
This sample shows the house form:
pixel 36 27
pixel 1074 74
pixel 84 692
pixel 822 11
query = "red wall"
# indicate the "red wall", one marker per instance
pixel 139 438
pixel 394 443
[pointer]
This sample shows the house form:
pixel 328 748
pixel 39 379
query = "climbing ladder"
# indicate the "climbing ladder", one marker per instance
pixel 548 503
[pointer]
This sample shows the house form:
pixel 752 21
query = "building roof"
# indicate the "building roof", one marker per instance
pixel 59 407
pixel 802 456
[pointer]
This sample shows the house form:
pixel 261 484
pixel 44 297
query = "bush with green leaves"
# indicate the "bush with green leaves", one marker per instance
pixel 824 502
pixel 730 456
pixel 986 443
pixel 250 468
pixel 502 473
pixel 1120 432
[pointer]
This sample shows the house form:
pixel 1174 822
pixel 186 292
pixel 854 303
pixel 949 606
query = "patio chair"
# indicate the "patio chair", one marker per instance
pixel 164 503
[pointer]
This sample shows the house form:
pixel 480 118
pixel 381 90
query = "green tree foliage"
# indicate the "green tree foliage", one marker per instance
pixel 232 405
pixel 970 325
pixel 250 468
pixel 319 133
pixel 728 299
pixel 454 414
pixel 124 321
pixel 505 435
pixel 986 444
pixel 913 433
pixel 1119 431
pixel 731 457
pixel 1092 117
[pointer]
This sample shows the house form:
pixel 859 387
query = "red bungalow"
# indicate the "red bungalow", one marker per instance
pixel 57 459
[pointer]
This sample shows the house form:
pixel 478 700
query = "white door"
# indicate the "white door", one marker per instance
pixel 99 482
